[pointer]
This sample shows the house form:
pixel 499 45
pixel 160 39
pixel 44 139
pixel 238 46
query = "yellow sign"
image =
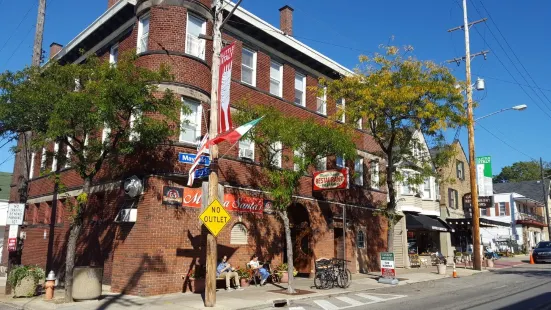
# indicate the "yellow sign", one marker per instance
pixel 215 217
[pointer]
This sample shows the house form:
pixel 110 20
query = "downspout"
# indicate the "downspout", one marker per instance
pixel 513 221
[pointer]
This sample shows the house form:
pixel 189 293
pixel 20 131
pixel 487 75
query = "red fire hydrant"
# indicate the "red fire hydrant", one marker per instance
pixel 50 284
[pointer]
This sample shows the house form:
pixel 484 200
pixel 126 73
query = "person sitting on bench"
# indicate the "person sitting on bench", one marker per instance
pixel 255 266
pixel 225 270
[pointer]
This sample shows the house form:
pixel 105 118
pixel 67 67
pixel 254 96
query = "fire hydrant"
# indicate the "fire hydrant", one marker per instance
pixel 50 284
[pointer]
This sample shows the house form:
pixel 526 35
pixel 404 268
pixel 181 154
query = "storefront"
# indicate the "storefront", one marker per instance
pixel 423 233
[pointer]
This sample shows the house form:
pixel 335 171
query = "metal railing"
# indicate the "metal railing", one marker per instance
pixel 531 217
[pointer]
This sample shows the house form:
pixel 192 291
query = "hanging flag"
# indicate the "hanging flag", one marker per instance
pixel 202 148
pixel 233 136
pixel 224 83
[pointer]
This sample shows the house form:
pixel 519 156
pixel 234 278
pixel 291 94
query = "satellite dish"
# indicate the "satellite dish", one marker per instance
pixel 133 186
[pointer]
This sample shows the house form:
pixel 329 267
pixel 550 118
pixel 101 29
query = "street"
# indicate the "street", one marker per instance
pixel 524 287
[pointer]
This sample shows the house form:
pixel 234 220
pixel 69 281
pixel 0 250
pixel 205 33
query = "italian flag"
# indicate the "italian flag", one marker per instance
pixel 234 135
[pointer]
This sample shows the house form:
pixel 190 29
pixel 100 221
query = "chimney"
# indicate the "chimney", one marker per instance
pixel 54 49
pixel 286 20
pixel 110 3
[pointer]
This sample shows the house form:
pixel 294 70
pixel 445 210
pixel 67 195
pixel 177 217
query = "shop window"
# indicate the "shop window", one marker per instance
pixel 238 234
pixel 361 239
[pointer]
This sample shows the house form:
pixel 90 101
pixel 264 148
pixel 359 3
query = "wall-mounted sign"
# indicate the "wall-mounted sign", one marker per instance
pixel 187 158
pixel 483 201
pixel 243 203
pixel 330 180
pixel 173 195
pixel 269 206
pixel 202 173
pixel 192 197
pixel 16 213
pixel 12 244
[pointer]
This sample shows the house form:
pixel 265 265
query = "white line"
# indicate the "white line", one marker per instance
pixel 373 298
pixel 326 305
pixel 351 301
pixel 495 288
pixel 296 308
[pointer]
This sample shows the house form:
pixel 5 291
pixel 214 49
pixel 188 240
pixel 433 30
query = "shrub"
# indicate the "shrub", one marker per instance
pixel 20 272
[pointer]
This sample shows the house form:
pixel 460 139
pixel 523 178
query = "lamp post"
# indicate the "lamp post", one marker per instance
pixel 516 108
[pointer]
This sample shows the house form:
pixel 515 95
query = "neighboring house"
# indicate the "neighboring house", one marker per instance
pixel 420 226
pixel 5 180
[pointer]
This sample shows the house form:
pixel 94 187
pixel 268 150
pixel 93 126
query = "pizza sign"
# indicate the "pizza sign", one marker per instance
pixel 330 180
pixel 172 195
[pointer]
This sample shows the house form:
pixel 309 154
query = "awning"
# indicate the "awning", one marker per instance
pixel 466 223
pixel 423 222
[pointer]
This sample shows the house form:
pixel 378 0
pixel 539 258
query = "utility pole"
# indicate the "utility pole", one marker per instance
pixel 545 201
pixel 39 34
pixel 477 261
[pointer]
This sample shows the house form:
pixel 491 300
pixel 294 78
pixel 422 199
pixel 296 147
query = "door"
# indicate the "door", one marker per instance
pixel 301 234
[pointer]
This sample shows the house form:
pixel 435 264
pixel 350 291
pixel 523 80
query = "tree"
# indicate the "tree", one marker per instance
pixel 399 96
pixel 309 138
pixel 522 171
pixel 98 111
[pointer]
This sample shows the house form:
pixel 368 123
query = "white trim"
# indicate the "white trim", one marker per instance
pixel 279 79
pixel 68 153
pixel 54 160
pixel 31 168
pixel 278 148
pixel 301 76
pixel 112 60
pixel 203 31
pixel 43 159
pixel 140 33
pixel 270 30
pixel 323 99
pixel 253 68
pixel 104 133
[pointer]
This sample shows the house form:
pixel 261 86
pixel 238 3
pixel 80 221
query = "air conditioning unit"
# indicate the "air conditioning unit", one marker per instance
pixel 246 153
pixel 127 216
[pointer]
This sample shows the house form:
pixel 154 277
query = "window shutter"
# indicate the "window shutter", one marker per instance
pixel 507 210
pixel 497 208
pixel 238 234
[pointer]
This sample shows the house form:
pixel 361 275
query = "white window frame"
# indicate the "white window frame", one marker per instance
pixel 243 230
pixel 502 204
pixel 68 153
pixel 198 119
pixel 374 167
pixel 300 154
pixel 43 159
pixel 246 145
pixel 359 171
pixel 460 168
pixel 104 133
pixel 321 102
pixel 360 245
pixel 299 75
pixel 276 151
pixel 425 188
pixel 275 79
pixel 359 124
pixel 253 77
pixel 141 35
pixel 54 159
pixel 134 136
pixel 31 170
pixel 114 55
pixel 340 162
pixel 341 106
pixel 321 165
pixel 192 37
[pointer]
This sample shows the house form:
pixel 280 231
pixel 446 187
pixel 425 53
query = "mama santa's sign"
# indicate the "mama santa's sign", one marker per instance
pixel 330 180
pixel 237 203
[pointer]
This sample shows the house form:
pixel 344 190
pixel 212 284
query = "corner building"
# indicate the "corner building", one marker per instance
pixel 154 253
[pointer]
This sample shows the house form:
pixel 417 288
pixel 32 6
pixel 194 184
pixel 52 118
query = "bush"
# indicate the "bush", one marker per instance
pixel 243 273
pixel 20 272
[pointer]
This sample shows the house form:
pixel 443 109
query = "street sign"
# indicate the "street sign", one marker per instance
pixel 16 212
pixel 188 158
pixel 202 173
pixel 12 238
pixel 483 201
pixel 484 176
pixel 215 217
pixel 387 265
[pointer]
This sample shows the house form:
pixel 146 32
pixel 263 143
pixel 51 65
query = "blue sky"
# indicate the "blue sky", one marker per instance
pixel 342 30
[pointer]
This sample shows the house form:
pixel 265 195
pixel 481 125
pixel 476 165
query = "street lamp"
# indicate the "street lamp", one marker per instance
pixel 519 107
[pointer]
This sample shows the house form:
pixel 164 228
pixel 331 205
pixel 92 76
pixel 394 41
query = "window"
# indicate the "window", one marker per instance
pixel 340 162
pixel 190 129
pixel 453 198
pixel 275 151
pixel 361 239
pixel 374 174
pixel 340 110
pixel 460 167
pixel 359 124
pixel 135 116
pixel 299 157
pixel 143 33
pixel 248 67
pixel 105 133
pixel 300 89
pixel 321 164
pixel 31 168
pixel 406 188
pixel 68 153
pixel 246 149
pixel 322 100
pixel 195 26
pixel 276 75
pixel 238 234
pixel 114 55
pixel 485 212
pixel 502 211
pixel 54 160
pixel 359 171
pixel 85 146
pixel 43 159
pixel 427 193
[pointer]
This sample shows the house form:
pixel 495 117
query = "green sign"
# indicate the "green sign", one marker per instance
pixel 387 256
pixel 484 176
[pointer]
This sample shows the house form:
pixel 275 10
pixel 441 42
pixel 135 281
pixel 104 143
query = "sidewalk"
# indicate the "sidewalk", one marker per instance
pixel 252 297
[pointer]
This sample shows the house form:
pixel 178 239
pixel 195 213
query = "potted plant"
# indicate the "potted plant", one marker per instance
pixel 244 276
pixel 441 264
pixel 196 279
pixel 24 280
pixel 283 273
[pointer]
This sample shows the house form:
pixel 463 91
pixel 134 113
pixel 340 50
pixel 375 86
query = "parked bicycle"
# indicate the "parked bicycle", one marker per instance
pixel 331 272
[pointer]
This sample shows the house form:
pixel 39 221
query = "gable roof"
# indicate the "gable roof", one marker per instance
pixel 529 189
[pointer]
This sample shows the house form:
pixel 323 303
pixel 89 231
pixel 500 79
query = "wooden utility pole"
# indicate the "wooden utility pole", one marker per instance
pixel 545 201
pixel 39 33
pixel 210 287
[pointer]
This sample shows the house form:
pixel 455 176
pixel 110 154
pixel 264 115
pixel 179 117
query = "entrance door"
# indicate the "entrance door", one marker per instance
pixel 301 234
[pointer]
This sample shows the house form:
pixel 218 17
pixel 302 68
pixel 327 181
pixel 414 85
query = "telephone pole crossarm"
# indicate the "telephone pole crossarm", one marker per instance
pixel 458 60
pixel 470 24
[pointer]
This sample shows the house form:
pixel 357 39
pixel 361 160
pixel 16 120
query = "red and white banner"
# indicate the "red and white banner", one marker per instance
pixel 224 83
pixel 202 148
pixel 243 204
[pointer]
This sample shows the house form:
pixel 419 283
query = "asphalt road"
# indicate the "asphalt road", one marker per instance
pixel 524 287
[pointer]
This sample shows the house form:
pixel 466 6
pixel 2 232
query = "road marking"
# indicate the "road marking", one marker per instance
pixel 500 287
pixel 350 301
pixel 326 305
pixel 373 298
pixel 296 308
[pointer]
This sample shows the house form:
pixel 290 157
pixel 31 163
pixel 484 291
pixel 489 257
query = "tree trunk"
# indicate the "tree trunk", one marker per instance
pixel 391 207
pixel 76 227
pixel 288 241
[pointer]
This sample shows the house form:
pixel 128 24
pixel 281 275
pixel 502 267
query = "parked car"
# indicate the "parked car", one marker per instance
pixel 542 252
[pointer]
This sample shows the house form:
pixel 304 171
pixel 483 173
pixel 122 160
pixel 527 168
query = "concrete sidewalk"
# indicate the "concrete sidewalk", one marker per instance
pixel 251 297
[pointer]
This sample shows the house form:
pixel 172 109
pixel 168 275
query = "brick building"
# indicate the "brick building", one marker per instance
pixel 154 254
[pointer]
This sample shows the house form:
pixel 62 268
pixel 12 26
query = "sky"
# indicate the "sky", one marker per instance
pixel 516 34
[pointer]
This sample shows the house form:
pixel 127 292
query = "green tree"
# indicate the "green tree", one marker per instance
pixel 73 104
pixel 522 171
pixel 313 140
pixel 398 96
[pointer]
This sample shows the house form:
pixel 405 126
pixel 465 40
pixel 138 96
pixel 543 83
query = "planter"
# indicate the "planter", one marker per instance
pixel 26 287
pixel 441 269
pixel 196 286
pixel 490 263
pixel 245 282
pixel 284 277
pixel 87 282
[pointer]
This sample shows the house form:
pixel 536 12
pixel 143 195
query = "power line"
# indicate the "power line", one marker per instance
pixel 18 46
pixel 510 82
pixel 504 142
pixel 15 30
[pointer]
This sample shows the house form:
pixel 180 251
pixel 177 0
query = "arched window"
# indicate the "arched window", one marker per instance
pixel 361 239
pixel 238 234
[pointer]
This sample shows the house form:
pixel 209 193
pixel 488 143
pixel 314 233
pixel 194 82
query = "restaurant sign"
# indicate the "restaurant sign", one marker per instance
pixel 173 196
pixel 236 203
pixel 483 201
pixel 387 265
pixel 330 180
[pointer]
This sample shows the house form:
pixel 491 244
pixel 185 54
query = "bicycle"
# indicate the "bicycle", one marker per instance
pixel 329 272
